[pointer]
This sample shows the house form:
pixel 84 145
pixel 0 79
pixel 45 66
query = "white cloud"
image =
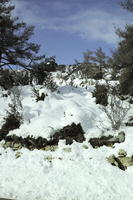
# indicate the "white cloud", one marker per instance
pixel 96 25
pixel 27 12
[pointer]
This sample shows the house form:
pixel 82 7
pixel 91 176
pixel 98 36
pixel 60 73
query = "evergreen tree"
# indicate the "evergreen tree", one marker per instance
pixel 42 69
pixel 88 56
pixel 123 56
pixel 100 57
pixel 15 47
pixel 128 4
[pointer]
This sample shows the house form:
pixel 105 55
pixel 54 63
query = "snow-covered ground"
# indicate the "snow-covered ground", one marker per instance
pixel 72 172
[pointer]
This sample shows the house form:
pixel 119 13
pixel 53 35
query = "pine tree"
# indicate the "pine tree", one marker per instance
pixel 88 56
pixel 123 56
pixel 15 47
pixel 128 4
pixel 100 57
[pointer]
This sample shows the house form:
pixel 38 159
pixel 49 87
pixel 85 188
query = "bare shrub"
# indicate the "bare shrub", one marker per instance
pixel 116 110
pixel 16 98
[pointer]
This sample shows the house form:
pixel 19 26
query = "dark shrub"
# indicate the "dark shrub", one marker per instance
pixel 6 79
pixel 11 122
pixel 38 96
pixel 41 70
pixel 126 82
pixel 98 76
pixel 100 93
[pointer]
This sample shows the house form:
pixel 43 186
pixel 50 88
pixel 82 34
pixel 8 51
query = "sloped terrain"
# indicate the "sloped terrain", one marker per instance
pixel 75 171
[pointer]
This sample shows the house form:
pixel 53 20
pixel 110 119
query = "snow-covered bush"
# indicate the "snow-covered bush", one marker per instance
pixel 6 79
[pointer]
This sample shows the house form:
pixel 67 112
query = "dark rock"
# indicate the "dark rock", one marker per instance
pixel 107 140
pixel 116 161
pixel 120 138
pixel 41 98
pixel 120 165
pixel 130 122
pixel 70 133
pixel 5 199
pixel 97 142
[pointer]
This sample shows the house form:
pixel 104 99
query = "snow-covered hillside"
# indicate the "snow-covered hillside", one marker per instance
pixel 70 172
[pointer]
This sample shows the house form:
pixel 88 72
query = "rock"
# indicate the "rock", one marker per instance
pixel 122 153
pixel 18 154
pixel 126 161
pixel 113 160
pixel 130 122
pixel 121 161
pixel 104 140
pixel 107 140
pixel 49 158
pixel 69 133
pixel 85 146
pixel 67 149
pixel 50 148
pixel 7 144
pixel 121 137
pixel 16 146
pixel 5 199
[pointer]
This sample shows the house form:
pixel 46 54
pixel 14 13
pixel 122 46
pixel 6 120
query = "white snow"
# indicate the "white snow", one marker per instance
pixel 83 173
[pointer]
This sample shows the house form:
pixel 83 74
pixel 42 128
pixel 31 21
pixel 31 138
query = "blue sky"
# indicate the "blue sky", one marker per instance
pixel 66 28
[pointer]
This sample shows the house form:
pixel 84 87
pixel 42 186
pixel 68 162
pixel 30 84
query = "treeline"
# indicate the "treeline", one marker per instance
pixel 16 50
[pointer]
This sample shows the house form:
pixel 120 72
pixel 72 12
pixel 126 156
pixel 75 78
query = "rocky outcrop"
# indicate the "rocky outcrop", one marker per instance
pixel 69 133
pixel 107 140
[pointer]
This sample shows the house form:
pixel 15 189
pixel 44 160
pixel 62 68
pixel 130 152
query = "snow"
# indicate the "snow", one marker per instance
pixel 43 118
pixel 81 174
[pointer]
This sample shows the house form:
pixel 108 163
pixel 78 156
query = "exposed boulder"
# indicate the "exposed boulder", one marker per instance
pixel 122 153
pixel 122 161
pixel 107 140
pixel 69 133
pixel 116 162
